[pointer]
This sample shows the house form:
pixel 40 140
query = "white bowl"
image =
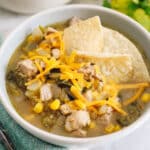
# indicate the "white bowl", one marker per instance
pixel 112 18
pixel 30 6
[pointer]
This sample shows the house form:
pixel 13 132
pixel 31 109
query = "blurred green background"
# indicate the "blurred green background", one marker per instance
pixel 137 9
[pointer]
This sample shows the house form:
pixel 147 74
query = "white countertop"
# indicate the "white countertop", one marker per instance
pixel 138 140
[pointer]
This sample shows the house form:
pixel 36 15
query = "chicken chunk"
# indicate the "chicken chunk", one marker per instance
pixel 105 109
pixel 65 109
pixel 27 68
pixel 89 71
pixel 106 119
pixel 55 53
pixel 77 120
pixel 45 92
pixel 35 86
pixel 88 95
pixel 107 115
pixel 74 20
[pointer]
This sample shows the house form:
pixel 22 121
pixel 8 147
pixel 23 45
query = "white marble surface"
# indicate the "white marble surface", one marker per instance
pixel 139 140
pixel 9 21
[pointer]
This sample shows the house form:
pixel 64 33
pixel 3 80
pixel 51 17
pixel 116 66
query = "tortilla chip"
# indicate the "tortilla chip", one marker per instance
pixel 116 43
pixel 84 36
pixel 89 36
pixel 114 67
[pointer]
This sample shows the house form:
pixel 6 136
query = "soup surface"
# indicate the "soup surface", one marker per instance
pixel 74 93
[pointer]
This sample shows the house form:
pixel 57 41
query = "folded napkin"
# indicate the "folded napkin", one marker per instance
pixel 21 139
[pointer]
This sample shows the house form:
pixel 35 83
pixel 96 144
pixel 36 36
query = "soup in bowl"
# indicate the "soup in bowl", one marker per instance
pixel 77 77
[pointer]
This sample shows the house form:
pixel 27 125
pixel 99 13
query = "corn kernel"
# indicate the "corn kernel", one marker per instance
pixel 92 125
pixel 31 54
pixel 80 104
pixel 55 104
pixel 110 128
pixel 38 108
pixel 145 97
pixel 117 127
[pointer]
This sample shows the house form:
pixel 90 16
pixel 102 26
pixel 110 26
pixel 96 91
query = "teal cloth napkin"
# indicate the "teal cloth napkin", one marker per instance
pixel 21 139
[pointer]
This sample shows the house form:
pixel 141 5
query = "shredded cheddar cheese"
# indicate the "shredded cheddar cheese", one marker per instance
pixel 32 53
pixel 62 47
pixel 52 63
pixel 75 83
pixel 107 102
pixel 80 104
pixel 77 93
pixel 72 105
pixel 44 45
pixel 134 97
pixel 133 86
pixel 52 36
pixel 40 69
pixel 38 66
pixel 92 109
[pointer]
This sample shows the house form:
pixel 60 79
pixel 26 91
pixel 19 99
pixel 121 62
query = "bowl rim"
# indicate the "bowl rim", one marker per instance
pixel 50 137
